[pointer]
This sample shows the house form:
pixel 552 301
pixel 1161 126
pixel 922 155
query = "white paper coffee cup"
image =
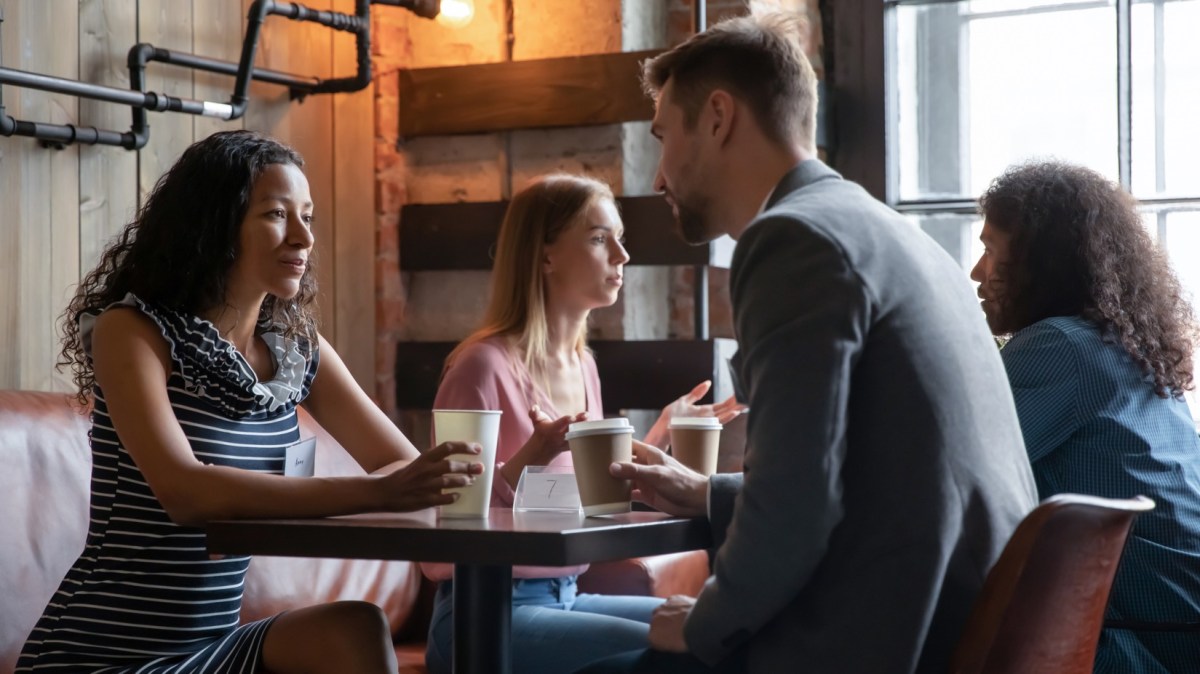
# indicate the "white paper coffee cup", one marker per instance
pixel 481 427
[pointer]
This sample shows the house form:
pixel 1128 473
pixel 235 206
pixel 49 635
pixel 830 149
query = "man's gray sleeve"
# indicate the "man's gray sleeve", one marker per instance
pixel 801 315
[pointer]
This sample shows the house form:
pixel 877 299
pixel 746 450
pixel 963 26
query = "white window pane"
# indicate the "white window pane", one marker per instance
pixel 979 6
pixel 1183 247
pixel 1046 87
pixel 958 234
pixel 979 92
pixel 1166 96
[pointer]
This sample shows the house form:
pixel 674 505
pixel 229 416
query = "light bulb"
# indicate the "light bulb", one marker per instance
pixel 456 13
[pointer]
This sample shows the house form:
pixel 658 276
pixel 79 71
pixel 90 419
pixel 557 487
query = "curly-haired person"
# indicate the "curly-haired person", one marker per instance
pixel 1099 359
pixel 195 338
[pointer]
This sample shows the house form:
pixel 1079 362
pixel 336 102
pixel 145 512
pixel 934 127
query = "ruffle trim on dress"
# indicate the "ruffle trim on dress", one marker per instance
pixel 212 368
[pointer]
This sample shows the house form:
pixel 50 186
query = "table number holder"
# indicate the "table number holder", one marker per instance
pixel 547 488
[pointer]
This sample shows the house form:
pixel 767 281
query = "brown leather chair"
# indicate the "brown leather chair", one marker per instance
pixel 1042 605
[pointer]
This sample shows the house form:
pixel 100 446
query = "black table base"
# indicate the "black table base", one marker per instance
pixel 483 610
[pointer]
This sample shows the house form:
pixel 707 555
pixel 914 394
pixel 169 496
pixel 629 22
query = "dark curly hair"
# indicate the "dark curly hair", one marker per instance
pixel 178 252
pixel 1077 247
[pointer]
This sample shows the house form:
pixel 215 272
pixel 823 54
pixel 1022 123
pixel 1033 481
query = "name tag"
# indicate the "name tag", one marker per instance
pixel 301 458
pixel 540 489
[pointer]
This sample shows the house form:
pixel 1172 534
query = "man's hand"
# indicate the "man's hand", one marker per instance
pixel 666 627
pixel 664 483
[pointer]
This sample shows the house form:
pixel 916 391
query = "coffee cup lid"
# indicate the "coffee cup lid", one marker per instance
pixel 599 427
pixel 694 422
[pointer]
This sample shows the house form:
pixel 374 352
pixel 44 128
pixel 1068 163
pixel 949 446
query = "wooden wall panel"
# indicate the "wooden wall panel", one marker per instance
pixel 62 19
pixel 108 195
pixel 13 156
pixel 543 93
pixel 217 27
pixel 41 193
pixel 354 215
pixel 166 24
pixel 58 209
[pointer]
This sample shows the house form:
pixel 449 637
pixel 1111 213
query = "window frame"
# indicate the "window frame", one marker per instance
pixel 861 64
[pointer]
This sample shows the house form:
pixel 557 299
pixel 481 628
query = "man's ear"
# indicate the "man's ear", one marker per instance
pixel 720 114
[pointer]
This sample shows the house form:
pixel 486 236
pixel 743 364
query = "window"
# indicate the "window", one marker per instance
pixel 973 86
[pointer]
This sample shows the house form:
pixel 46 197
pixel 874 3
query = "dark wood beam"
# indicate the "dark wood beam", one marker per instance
pixel 634 375
pixel 572 91
pixel 857 140
pixel 462 236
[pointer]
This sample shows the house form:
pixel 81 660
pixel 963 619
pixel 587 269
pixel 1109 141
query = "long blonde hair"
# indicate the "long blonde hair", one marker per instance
pixel 536 216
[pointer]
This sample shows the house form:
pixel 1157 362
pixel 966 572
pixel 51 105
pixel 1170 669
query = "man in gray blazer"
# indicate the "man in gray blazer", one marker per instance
pixel 885 469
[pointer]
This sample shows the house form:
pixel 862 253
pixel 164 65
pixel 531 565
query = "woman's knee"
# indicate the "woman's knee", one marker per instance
pixel 341 636
pixel 359 616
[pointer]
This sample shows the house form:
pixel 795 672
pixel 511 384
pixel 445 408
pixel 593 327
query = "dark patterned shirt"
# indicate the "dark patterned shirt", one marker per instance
pixel 1093 425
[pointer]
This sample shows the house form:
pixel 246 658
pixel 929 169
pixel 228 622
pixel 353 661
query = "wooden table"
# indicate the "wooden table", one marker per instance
pixel 483 552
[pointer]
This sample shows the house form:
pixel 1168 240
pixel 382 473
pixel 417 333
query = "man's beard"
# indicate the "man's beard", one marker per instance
pixel 693 225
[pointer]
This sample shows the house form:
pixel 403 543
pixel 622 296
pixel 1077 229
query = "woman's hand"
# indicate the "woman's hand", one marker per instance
pixel 549 435
pixel 685 406
pixel 546 443
pixel 419 484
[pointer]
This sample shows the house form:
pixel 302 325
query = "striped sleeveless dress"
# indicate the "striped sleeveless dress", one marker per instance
pixel 144 595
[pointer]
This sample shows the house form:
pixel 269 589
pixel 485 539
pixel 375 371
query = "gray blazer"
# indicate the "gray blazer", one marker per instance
pixel 885 468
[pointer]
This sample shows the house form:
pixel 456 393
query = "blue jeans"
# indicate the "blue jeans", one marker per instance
pixel 553 628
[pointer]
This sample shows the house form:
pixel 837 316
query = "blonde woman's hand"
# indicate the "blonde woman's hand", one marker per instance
pixel 685 406
pixel 549 435
pixel 546 443
pixel 419 484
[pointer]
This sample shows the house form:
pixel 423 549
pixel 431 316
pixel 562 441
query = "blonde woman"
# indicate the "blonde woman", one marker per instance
pixel 559 256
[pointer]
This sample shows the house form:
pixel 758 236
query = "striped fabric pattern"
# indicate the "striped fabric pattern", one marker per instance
pixel 1093 425
pixel 144 595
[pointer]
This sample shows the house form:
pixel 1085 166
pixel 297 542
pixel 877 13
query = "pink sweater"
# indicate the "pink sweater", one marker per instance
pixel 487 377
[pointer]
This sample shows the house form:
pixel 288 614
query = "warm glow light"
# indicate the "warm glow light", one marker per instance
pixel 456 13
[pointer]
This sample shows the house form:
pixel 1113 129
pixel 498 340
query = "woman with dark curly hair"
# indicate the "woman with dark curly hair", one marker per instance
pixel 195 337
pixel 1100 356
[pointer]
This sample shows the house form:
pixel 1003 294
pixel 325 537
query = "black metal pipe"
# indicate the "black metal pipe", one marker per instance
pixel 362 44
pixel 230 68
pixel 59 85
pixel 254 20
pixel 426 9
pixel 335 20
pixel 58 135
pixel 360 24
pixel 700 275
pixel 140 100
pixel 136 60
